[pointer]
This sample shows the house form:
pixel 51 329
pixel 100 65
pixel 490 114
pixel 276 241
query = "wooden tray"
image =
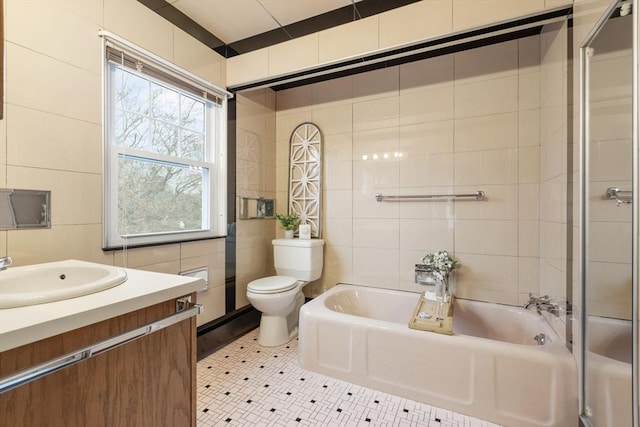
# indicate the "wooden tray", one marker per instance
pixel 434 316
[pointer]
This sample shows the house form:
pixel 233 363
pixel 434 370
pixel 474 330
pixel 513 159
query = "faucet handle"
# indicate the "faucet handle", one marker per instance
pixel 5 262
pixel 542 298
pixel 532 300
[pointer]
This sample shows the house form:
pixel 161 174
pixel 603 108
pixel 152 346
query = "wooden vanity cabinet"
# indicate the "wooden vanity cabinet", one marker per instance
pixel 147 382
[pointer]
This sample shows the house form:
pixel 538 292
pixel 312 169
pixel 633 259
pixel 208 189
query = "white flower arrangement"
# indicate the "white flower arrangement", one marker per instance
pixel 440 262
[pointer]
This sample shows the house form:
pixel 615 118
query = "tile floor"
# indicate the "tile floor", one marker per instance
pixel 244 384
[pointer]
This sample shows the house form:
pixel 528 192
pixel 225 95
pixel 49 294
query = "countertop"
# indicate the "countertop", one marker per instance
pixel 24 325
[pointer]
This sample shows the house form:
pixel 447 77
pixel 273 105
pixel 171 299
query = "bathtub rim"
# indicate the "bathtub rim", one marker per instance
pixel 556 341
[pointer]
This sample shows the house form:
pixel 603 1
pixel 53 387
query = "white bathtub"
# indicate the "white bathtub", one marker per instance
pixel 609 371
pixel 491 368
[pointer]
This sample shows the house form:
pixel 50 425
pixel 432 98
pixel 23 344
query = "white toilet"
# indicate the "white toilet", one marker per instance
pixel 280 297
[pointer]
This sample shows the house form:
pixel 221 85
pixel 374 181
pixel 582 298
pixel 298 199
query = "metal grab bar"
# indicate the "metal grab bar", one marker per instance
pixel 620 196
pixel 53 365
pixel 478 195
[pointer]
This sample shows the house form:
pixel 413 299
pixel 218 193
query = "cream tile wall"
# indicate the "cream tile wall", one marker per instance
pixel 209 254
pixel 51 136
pixel 418 21
pixel 255 177
pixel 553 166
pixel 457 123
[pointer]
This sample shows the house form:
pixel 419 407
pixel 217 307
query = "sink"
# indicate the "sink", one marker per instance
pixel 55 281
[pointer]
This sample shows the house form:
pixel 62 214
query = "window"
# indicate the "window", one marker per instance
pixel 165 154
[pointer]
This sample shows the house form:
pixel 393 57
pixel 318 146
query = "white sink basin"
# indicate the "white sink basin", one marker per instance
pixel 55 281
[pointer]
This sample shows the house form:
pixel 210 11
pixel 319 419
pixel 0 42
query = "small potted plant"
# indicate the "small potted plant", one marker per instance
pixel 288 223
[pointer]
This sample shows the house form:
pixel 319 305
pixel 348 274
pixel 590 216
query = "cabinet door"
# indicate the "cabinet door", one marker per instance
pixel 147 382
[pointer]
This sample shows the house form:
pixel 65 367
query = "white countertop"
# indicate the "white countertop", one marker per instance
pixel 24 325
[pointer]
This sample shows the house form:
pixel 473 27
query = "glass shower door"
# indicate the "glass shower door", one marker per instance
pixel 608 288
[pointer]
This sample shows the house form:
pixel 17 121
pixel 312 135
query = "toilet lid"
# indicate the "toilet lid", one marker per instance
pixel 272 284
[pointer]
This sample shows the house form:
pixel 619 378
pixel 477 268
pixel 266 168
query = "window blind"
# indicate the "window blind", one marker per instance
pixel 143 65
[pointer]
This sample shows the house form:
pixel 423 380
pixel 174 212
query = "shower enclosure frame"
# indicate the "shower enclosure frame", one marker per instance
pixel 584 213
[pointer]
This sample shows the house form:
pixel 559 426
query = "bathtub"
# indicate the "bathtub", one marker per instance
pixel 609 371
pixel 491 368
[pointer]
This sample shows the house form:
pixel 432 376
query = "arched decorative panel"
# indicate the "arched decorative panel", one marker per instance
pixel 305 176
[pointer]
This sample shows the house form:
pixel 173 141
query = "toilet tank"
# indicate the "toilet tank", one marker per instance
pixel 299 258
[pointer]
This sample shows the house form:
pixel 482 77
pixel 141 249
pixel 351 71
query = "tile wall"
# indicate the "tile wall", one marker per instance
pixel 456 123
pixel 554 150
pixel 51 136
pixel 255 177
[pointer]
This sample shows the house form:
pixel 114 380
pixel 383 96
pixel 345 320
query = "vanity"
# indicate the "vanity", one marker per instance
pixel 123 356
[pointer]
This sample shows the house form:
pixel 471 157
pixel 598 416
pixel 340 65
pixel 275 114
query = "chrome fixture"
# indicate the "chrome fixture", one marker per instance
pixel 5 262
pixel 20 209
pixel 620 196
pixel 257 208
pixel 542 339
pixel 424 275
pixel 478 195
pixel 543 303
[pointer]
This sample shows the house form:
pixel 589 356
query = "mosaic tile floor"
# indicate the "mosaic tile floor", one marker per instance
pixel 244 384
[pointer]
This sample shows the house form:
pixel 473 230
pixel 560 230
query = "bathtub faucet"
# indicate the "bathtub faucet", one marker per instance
pixel 5 262
pixel 543 303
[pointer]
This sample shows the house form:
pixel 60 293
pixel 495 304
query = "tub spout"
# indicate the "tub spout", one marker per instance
pixel 534 301
pixel 549 307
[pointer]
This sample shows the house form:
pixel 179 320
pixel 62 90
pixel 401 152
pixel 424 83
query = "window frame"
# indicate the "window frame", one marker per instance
pixel 214 202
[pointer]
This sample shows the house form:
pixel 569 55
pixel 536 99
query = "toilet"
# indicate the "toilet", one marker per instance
pixel 279 298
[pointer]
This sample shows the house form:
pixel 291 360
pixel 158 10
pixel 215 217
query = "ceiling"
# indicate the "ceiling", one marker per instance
pixel 233 20
pixel 233 27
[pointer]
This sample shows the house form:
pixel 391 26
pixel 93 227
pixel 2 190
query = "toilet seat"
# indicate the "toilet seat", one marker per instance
pixel 272 285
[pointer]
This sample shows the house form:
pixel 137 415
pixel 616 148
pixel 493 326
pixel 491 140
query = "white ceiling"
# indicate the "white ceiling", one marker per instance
pixel 233 20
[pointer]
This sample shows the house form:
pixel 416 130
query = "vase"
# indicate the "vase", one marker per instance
pixel 442 289
pixel 288 234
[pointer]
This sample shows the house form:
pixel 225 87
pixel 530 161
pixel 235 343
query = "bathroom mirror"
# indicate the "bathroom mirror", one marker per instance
pixel 608 258
pixel 21 209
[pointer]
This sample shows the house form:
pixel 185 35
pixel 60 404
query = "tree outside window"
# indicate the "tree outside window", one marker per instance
pixel 161 147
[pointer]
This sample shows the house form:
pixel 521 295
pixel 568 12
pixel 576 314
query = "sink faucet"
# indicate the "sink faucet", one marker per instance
pixel 5 262
pixel 543 303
